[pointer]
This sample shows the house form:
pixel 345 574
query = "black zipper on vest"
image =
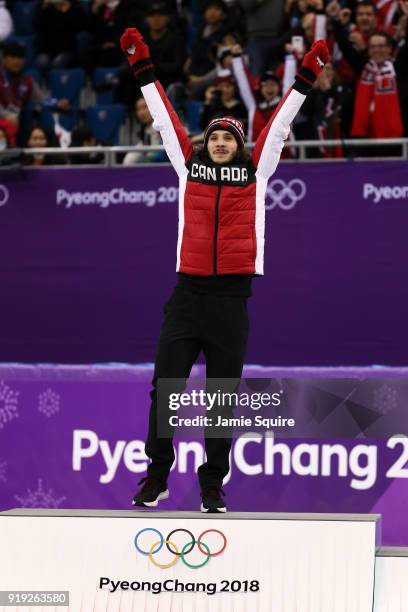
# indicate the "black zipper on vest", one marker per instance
pixel 217 204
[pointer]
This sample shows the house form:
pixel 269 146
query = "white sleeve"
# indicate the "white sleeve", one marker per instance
pixel 166 121
pixel 269 145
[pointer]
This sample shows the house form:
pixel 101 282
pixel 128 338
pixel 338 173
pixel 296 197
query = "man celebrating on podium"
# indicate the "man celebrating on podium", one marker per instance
pixel 220 249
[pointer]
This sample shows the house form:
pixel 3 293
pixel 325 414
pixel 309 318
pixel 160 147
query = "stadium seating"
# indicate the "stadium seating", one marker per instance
pixel 104 81
pixel 193 115
pixel 84 40
pixel 67 84
pixel 23 13
pixel 105 121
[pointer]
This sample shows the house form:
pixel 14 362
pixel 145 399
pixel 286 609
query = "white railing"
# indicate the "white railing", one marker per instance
pixel 350 148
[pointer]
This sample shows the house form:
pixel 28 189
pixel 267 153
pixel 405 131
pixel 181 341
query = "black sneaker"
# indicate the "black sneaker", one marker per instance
pixel 151 493
pixel 212 500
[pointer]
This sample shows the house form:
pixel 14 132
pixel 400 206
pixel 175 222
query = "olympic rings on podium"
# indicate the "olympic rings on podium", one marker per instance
pixel 213 531
pixel 146 552
pixel 163 565
pixel 157 545
pixel 206 558
pixel 192 543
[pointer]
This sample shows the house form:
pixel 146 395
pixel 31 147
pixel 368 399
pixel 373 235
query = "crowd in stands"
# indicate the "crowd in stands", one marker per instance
pixel 64 80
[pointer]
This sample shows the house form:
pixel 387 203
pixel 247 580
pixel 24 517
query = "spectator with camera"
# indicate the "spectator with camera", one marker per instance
pixel 222 60
pixel 222 99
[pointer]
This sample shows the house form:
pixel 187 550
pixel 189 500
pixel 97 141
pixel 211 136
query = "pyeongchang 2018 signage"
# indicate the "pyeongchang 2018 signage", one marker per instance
pixel 357 465
pixel 116 195
pixel 379 193
pixel 280 194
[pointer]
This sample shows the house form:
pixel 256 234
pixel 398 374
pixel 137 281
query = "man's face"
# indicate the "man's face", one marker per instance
pixel 378 49
pixel 142 112
pixel 227 89
pixel 366 19
pixel 13 63
pixel 213 14
pixel 157 22
pixel 221 146
pixel 270 89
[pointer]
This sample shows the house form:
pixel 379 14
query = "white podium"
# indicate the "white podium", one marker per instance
pixel 131 561
pixel 391 585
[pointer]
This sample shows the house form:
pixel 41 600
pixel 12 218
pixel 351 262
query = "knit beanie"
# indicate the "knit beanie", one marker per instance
pixel 229 124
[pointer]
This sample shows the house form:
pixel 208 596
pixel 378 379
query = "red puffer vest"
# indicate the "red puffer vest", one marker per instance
pixel 218 234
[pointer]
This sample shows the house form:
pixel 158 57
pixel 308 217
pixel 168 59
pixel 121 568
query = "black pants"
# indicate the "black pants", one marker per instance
pixel 193 322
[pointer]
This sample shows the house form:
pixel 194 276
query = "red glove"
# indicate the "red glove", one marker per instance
pixel 137 51
pixel 317 57
pixel 313 63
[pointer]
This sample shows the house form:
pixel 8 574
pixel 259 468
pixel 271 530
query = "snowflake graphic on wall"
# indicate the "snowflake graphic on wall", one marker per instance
pixel 3 465
pixel 49 402
pixel 39 498
pixel 385 399
pixel 8 404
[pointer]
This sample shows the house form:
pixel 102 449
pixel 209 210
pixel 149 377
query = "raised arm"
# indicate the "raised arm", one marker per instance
pixel 356 59
pixel 165 119
pixel 269 145
pixel 240 72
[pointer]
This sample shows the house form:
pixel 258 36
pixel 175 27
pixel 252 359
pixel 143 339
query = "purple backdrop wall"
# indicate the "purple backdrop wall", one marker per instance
pixel 85 282
pixel 72 437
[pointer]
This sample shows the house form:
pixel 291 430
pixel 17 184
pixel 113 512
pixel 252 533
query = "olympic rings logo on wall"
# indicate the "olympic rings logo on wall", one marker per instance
pixel 4 195
pixel 157 545
pixel 283 195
